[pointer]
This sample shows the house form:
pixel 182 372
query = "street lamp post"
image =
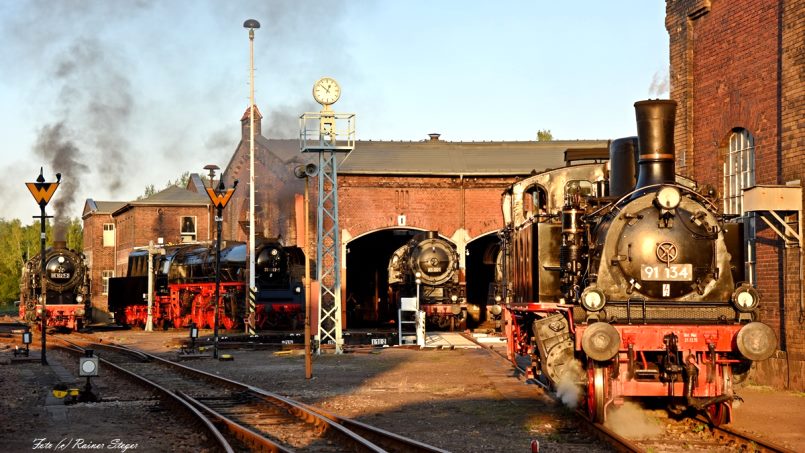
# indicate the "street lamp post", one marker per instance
pixel 251 24
pixel 306 171
pixel 42 192
pixel 219 197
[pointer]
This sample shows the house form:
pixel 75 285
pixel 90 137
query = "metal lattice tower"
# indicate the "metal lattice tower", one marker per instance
pixel 320 133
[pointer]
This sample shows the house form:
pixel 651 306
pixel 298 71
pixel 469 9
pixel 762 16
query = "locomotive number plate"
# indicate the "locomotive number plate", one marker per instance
pixel 62 275
pixel 669 273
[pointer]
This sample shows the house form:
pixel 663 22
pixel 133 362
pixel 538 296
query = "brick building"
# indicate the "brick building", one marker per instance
pixel 389 191
pixel 737 73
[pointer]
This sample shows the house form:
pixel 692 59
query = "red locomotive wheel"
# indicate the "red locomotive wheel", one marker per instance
pixel 717 413
pixel 596 392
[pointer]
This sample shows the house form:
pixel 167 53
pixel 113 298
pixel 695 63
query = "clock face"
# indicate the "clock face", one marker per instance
pixel 326 91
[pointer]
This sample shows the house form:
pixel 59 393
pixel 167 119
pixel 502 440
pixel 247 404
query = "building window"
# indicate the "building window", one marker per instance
pixel 739 174
pixel 188 229
pixel 108 234
pixel 739 169
pixel 105 276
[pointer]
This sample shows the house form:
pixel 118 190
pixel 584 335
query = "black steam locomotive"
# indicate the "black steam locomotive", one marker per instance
pixel 184 286
pixel 427 267
pixel 67 303
pixel 638 292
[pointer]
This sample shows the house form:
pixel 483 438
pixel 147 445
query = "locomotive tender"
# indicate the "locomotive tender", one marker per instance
pixel 640 290
pixel 67 289
pixel 434 261
pixel 184 288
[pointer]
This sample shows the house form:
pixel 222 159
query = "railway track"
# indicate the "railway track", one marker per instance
pixel 675 434
pixel 241 417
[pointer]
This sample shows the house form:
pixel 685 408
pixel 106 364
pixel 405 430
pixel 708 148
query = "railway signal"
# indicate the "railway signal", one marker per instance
pixel 43 192
pixel 219 197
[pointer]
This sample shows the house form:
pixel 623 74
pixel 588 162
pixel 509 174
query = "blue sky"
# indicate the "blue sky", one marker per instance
pixel 117 95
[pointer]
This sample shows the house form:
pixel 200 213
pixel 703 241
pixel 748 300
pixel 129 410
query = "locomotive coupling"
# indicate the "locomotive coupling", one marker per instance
pixel 601 341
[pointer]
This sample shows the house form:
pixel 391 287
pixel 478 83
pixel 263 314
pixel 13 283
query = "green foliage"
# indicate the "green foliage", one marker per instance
pixel 544 135
pixel 18 244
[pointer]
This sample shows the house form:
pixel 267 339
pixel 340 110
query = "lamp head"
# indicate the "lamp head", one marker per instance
pixel 251 23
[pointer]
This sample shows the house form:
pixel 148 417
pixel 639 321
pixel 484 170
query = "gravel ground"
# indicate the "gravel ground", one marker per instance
pixel 462 400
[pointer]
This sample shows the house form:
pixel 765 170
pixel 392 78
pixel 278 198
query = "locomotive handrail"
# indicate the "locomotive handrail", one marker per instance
pixel 615 204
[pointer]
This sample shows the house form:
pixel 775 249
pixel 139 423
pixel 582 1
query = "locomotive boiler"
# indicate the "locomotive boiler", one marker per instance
pixel 67 303
pixel 427 267
pixel 184 286
pixel 640 290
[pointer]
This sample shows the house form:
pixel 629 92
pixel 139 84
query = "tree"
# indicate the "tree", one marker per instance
pixel 544 135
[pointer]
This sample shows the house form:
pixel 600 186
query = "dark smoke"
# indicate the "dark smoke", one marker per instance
pixel 64 156
pixel 96 100
pixel 283 121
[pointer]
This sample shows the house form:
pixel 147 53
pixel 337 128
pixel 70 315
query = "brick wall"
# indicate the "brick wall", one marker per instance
pixel 445 204
pixel 739 64
pixel 99 258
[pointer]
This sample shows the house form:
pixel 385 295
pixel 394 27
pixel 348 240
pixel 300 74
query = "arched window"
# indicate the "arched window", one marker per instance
pixel 739 173
pixel 739 169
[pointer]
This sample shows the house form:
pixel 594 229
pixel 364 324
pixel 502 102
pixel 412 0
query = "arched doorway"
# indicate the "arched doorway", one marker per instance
pixel 367 299
pixel 481 257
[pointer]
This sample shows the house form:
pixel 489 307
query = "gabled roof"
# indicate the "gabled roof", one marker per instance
pixel 92 207
pixel 439 157
pixel 172 196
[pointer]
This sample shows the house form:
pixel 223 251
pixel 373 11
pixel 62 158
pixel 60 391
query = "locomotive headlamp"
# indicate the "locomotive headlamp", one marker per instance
pixel 593 299
pixel 274 252
pixel 454 298
pixel 746 298
pixel 61 260
pixel 498 298
pixel 496 310
pixel 668 197
pixel 79 298
pixel 297 289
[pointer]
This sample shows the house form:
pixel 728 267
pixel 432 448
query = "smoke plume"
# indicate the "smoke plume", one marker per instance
pixel 53 144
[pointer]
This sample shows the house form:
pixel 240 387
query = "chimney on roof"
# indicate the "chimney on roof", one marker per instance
pixel 244 123
pixel 434 137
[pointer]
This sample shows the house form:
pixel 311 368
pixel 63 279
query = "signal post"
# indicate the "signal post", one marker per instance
pixel 43 192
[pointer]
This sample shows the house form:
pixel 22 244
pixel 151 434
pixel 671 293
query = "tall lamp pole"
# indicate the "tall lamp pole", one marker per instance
pixel 42 192
pixel 251 24
pixel 306 171
pixel 219 197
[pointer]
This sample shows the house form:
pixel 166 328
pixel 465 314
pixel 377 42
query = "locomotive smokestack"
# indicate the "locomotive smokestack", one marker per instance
pixel 655 135
pixel 623 166
pixel 59 244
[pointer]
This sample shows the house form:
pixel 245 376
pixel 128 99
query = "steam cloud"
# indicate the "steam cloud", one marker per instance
pixel 568 388
pixel 660 85
pixel 631 421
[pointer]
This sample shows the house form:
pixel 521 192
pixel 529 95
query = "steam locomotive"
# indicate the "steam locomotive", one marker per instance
pixel 66 284
pixel 427 267
pixel 635 293
pixel 184 286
